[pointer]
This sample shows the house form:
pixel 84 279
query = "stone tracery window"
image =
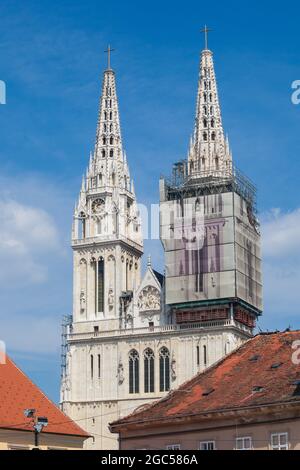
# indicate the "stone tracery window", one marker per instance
pixel 164 369
pixel 134 362
pixel 148 371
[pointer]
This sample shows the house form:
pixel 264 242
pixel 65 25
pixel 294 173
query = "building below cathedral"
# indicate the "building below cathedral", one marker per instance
pixel 248 400
pixel 131 338
pixel 18 393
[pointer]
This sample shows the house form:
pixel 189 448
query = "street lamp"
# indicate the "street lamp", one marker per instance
pixel 38 422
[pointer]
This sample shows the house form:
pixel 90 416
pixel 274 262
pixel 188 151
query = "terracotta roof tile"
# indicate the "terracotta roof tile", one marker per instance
pixel 237 381
pixel 18 392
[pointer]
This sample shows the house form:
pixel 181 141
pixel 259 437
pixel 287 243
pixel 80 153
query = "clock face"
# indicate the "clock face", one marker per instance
pixel 98 205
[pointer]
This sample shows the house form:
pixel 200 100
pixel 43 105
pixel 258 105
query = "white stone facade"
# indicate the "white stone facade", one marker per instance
pixel 123 346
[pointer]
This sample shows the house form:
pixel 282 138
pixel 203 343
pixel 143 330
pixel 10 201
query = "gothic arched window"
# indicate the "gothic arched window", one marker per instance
pixel 134 362
pixel 110 115
pixel 164 370
pixel 111 153
pixel 103 153
pixel 111 128
pixel 92 366
pixel 205 355
pixel 148 371
pixel 213 136
pixel 212 123
pixel 204 122
pixel 111 140
pixel 104 127
pixel 105 115
pixel 205 136
pixel 100 286
pixel 104 140
pixel 82 225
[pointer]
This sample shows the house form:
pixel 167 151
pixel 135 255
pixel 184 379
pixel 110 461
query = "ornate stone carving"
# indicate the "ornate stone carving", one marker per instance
pixel 149 299
pixel 173 368
pixel 82 301
pixel 111 298
pixel 120 372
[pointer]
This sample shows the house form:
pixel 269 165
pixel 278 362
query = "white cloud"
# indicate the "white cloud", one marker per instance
pixel 281 256
pixel 27 236
pixel 281 233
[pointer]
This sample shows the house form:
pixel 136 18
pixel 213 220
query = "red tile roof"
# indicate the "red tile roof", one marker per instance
pixel 18 392
pixel 260 372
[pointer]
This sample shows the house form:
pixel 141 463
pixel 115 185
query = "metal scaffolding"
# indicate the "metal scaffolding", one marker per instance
pixel 66 326
pixel 188 180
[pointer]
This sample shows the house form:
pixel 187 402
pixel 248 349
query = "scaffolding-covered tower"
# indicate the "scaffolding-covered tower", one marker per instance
pixel 208 224
pixel 211 240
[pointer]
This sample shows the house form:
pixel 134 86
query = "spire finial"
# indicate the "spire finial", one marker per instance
pixel 149 263
pixel 206 30
pixel 109 50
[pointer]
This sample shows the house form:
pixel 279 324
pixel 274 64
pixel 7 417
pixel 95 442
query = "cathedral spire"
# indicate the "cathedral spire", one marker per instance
pixel 209 151
pixel 108 135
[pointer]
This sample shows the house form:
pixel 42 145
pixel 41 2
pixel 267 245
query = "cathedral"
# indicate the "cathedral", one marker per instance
pixel 134 337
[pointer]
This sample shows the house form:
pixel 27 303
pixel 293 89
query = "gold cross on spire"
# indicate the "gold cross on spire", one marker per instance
pixel 206 30
pixel 108 51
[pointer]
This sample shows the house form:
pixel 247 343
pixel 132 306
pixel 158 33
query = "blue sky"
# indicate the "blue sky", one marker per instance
pixel 51 58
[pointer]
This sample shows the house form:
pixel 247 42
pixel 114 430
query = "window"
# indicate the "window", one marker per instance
pixel 111 153
pixel 99 366
pixel 134 371
pixel 173 447
pixel 99 226
pixel 100 289
pixel 111 140
pixel 103 153
pixel 207 445
pixel 279 441
pixel 149 370
pixel 205 355
pixel 164 370
pixel 243 443
pixel 198 355
pixel 92 366
pixel 96 329
pixel 205 136
pixel 82 226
